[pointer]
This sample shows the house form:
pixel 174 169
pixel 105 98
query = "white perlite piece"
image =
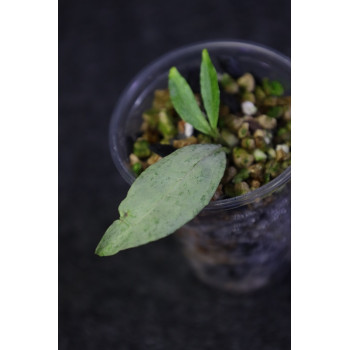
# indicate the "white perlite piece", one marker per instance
pixel 248 108
pixel 267 140
pixel 283 147
pixel 188 129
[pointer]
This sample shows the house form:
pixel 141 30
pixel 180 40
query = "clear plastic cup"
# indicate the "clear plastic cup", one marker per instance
pixel 238 244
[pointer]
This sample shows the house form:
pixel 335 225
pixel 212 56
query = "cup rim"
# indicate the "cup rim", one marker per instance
pixel 223 204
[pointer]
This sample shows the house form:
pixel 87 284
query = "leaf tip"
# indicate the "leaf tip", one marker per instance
pixel 205 54
pixel 103 251
pixel 172 72
pixel 99 250
pixel 103 248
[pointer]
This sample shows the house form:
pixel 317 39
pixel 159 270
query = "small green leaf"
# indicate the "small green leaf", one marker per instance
pixel 165 196
pixel 185 103
pixel 210 89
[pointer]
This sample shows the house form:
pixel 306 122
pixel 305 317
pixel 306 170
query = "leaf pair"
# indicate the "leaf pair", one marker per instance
pixel 185 102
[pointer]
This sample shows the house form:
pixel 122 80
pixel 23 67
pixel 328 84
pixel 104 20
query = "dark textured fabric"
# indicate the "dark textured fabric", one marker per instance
pixel 144 298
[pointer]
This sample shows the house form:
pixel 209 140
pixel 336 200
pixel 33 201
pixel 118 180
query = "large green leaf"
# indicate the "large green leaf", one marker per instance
pixel 185 103
pixel 210 89
pixel 165 196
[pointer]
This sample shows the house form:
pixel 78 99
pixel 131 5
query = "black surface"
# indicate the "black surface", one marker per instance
pixel 145 298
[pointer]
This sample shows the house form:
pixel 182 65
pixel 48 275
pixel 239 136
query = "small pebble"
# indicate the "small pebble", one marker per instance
pixel 247 82
pixel 267 122
pixel 153 159
pixel 248 143
pixel 271 153
pixel 260 142
pixel 241 188
pixel 248 96
pixel 133 159
pixel 287 115
pixel 256 171
pixel 230 139
pixel 185 142
pixel 259 133
pixel 230 172
pixel 281 155
pixel 218 193
pixel 181 126
pixel 243 131
pixel 241 158
pixel 255 184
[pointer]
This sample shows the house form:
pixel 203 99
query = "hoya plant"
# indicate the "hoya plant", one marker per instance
pixel 174 190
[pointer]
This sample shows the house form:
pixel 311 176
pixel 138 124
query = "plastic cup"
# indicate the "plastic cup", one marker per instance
pixel 238 244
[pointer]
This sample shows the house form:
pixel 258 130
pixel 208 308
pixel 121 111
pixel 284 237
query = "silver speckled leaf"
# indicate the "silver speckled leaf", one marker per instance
pixel 165 196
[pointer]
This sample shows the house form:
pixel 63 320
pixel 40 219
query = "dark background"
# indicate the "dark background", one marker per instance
pixel 143 298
